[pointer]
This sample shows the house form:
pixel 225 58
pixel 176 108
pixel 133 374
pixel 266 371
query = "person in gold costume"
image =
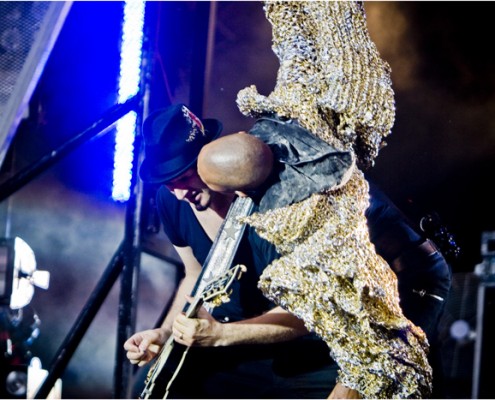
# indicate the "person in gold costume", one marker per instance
pixel 348 297
pixel 332 84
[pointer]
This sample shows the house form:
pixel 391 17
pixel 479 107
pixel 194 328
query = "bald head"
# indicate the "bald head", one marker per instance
pixel 237 162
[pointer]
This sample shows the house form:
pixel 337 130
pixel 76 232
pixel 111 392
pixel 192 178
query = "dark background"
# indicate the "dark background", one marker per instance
pixel 440 156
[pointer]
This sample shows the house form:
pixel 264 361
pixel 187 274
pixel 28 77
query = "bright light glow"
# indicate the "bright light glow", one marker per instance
pixel 25 275
pixel 130 74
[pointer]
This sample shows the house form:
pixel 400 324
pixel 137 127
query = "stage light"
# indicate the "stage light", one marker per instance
pixel 18 277
pixel 18 273
pixel 130 75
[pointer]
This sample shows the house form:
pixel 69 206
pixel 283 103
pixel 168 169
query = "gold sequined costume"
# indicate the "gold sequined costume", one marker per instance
pixel 333 82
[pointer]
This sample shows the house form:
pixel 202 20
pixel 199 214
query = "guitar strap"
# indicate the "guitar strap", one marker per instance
pixel 224 248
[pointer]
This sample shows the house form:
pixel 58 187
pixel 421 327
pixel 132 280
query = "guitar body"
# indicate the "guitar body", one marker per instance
pixel 173 355
pixel 159 387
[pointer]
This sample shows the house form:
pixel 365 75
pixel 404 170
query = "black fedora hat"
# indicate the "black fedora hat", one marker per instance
pixel 173 138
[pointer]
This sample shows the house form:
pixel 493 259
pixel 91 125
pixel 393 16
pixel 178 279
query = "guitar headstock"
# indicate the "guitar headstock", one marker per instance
pixel 218 291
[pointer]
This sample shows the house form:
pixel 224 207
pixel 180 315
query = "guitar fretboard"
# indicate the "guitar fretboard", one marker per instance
pixel 224 247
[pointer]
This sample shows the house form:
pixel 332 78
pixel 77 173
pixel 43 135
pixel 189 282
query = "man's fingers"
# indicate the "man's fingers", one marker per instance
pixel 203 313
pixel 154 348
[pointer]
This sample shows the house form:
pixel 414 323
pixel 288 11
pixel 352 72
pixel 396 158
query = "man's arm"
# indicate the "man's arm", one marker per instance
pixel 276 325
pixel 343 392
pixel 143 346
pixel 192 271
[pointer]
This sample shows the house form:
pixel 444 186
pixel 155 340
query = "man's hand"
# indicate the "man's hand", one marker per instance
pixel 202 331
pixel 342 392
pixel 144 346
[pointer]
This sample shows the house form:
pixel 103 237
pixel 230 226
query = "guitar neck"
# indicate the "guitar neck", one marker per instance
pixel 224 248
pixel 192 309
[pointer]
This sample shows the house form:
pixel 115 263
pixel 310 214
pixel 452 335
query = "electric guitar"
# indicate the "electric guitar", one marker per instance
pixel 212 288
pixel 214 293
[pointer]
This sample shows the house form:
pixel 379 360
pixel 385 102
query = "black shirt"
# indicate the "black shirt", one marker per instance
pixel 183 229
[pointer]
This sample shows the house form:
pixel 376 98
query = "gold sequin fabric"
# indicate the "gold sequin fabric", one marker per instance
pixel 330 276
pixel 331 77
pixel 333 81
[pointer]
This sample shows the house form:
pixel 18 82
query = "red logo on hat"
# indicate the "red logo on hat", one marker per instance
pixel 195 123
